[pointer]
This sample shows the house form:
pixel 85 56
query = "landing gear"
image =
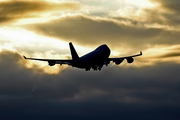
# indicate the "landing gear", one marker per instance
pixel 97 66
pixel 88 69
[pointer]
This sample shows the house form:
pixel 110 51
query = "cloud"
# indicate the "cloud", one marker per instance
pixel 80 89
pixel 37 67
pixel 166 13
pixel 158 54
pixel 174 54
pixel 12 10
pixel 162 14
pixel 173 6
pixel 118 90
pixel 90 31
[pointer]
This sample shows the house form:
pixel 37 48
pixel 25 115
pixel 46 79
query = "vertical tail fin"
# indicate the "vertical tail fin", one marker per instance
pixel 73 52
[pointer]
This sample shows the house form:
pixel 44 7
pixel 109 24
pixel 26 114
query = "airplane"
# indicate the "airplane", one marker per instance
pixel 93 60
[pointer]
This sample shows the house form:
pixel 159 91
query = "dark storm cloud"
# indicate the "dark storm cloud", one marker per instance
pixel 18 9
pixel 114 93
pixel 89 31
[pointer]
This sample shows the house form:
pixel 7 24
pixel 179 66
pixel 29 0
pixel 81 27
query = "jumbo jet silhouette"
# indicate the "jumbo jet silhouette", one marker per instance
pixel 93 60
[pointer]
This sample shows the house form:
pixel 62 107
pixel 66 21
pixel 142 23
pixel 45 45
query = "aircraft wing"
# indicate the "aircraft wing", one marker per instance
pixel 120 59
pixel 52 61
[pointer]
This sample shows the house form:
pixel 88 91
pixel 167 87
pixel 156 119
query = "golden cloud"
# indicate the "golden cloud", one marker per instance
pixel 90 31
pixel 18 9
pixel 164 14
pixel 157 54
pixel 13 57
pixel 169 5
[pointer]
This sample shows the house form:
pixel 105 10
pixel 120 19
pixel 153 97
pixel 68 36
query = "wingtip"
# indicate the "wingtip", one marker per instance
pixel 140 52
pixel 24 57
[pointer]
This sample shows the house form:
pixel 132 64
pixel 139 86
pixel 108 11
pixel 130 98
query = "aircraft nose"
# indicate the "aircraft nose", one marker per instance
pixel 104 46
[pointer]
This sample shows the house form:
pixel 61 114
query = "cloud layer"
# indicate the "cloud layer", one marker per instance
pixel 86 30
pixel 119 90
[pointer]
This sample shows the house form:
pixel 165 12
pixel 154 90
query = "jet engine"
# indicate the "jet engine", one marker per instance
pixel 51 63
pixel 130 60
pixel 118 61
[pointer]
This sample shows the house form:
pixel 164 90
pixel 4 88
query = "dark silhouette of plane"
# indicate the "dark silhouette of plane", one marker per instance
pixel 93 60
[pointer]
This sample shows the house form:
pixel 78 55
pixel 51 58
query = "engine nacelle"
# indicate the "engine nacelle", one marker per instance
pixel 130 60
pixel 118 61
pixel 51 63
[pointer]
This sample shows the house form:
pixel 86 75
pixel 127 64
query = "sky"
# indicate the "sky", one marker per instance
pixel 149 88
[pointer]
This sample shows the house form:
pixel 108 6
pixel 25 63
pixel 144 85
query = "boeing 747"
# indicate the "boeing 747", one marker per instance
pixel 93 60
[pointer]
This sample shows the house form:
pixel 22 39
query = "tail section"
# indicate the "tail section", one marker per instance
pixel 73 52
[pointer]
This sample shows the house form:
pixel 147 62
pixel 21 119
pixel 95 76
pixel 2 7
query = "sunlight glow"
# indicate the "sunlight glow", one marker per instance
pixel 23 38
pixel 153 55
pixel 39 67
pixel 131 9
pixel 18 40
pixel 31 44
pixel 141 3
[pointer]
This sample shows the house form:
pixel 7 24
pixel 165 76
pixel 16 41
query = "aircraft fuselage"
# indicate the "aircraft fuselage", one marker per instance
pixel 94 58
